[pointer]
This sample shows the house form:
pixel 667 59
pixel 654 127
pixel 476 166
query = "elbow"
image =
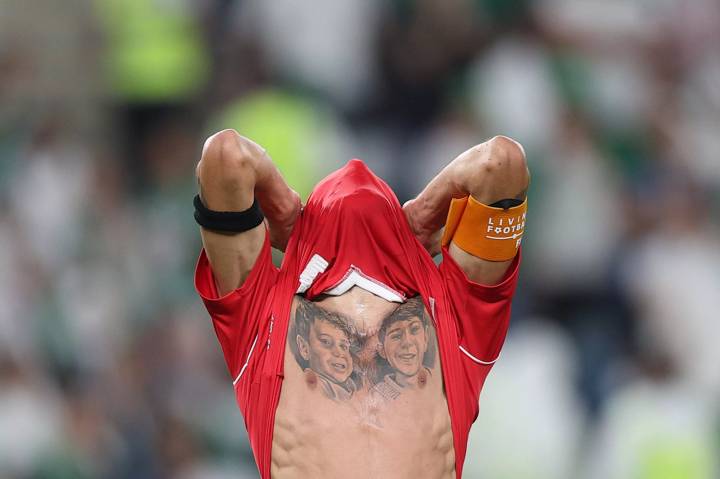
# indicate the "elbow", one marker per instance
pixel 228 161
pixel 507 165
pixel 507 146
pixel 508 153
pixel 496 170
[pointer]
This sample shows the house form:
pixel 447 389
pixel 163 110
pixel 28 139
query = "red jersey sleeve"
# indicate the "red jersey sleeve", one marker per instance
pixel 482 312
pixel 236 316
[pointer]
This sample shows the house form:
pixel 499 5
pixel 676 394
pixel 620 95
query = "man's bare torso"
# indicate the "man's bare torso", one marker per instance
pixel 346 409
pixel 363 392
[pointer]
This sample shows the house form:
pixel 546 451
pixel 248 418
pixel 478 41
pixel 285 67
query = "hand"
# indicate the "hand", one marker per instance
pixel 428 236
pixel 280 226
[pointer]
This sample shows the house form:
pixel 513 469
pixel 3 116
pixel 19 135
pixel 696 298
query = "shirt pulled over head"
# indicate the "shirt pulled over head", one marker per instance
pixel 354 233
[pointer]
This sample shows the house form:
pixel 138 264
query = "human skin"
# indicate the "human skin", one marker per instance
pixel 404 347
pixel 233 170
pixel 490 172
pixel 321 436
pixel 327 351
pixel 315 436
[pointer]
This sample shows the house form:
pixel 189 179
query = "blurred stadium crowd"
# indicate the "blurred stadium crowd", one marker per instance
pixel 108 363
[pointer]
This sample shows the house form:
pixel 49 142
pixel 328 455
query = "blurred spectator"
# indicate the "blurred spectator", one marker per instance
pixel 30 417
pixel 533 385
pixel 674 278
pixel 529 108
pixel 156 67
pixel 656 428
pixel 49 63
pixel 154 51
pixel 327 48
pixel 301 136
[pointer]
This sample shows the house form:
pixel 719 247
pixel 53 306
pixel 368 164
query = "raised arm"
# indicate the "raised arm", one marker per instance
pixel 232 172
pixel 490 172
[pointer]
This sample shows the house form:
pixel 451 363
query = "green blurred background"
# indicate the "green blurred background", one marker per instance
pixel 108 363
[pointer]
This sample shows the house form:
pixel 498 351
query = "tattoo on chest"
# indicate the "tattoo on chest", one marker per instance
pixel 342 363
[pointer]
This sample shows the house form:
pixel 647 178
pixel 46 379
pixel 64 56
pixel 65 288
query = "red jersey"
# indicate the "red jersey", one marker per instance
pixel 353 232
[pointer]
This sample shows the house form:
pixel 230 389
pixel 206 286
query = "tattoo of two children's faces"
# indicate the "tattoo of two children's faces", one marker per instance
pixel 335 358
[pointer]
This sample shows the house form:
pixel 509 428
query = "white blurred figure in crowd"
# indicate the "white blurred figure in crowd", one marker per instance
pixel 514 92
pixel 576 224
pixel 446 139
pixel 656 427
pixel 30 418
pixel 530 421
pixel 49 194
pixel 604 22
pixel 73 270
pixel 674 278
pixel 696 34
pixel 17 338
pixel 663 423
pixel 696 135
pixel 328 47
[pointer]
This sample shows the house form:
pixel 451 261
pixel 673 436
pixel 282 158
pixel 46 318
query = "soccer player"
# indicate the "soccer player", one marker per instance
pixel 355 253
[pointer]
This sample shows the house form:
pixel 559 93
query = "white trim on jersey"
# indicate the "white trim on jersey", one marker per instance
pixel 246 362
pixel 476 359
pixel 315 266
pixel 431 300
pixel 355 277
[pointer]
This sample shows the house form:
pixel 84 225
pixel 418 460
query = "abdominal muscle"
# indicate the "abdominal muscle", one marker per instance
pixel 389 419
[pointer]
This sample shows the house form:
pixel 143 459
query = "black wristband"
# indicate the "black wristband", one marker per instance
pixel 229 221
pixel 507 203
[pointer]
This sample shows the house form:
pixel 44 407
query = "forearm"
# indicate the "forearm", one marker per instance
pixel 490 172
pixel 428 211
pixel 280 203
pixel 482 172
pixel 234 171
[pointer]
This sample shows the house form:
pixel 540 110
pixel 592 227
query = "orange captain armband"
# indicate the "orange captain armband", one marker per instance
pixel 486 232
